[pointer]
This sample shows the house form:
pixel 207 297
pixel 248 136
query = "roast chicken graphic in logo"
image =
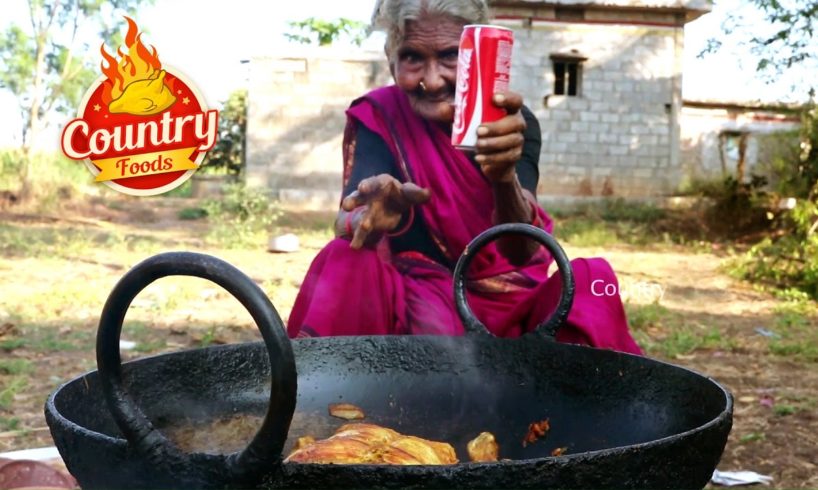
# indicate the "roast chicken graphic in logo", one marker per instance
pixel 142 128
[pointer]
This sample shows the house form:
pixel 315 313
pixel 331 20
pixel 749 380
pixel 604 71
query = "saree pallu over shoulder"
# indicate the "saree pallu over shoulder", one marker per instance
pixel 462 204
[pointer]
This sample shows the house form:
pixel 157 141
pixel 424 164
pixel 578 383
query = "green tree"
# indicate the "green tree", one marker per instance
pixel 326 32
pixel 783 40
pixel 786 40
pixel 227 155
pixel 42 66
pixel 791 41
pixel 41 63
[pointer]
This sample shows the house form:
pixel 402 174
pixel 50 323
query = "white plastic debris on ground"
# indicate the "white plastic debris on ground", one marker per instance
pixel 736 478
pixel 38 454
pixel 283 243
pixel 127 345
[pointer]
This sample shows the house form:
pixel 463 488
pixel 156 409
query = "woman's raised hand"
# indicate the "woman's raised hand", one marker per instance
pixel 500 143
pixel 384 200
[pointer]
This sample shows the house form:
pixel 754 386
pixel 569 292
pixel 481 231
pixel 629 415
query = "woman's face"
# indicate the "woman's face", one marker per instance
pixel 428 54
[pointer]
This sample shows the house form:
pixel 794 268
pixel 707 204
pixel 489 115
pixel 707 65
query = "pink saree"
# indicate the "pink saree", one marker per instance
pixel 373 292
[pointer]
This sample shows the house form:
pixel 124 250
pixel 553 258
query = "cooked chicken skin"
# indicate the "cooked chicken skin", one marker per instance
pixel 483 448
pixel 346 411
pixel 371 444
pixel 303 442
pixel 414 450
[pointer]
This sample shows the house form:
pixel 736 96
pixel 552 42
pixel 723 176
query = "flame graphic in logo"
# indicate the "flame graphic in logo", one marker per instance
pixel 136 83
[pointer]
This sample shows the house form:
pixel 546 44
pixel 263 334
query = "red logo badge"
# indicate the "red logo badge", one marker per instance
pixel 142 128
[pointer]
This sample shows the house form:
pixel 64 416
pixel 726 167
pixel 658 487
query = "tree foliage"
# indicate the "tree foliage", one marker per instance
pixel 785 37
pixel 788 256
pixel 45 65
pixel 227 155
pixel 326 32
pixel 792 38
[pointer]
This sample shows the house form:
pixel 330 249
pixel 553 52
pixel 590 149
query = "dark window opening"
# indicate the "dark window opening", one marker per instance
pixel 567 74
pixel 733 153
pixel 559 78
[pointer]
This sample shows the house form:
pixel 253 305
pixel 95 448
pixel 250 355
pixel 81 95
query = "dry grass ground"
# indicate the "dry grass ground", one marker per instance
pixel 57 270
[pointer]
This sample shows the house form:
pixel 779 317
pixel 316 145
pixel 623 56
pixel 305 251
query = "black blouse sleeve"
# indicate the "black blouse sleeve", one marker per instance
pixel 372 157
pixel 528 170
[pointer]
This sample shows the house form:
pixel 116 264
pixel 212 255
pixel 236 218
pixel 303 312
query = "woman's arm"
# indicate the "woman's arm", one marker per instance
pixel 376 201
pixel 500 146
pixel 378 206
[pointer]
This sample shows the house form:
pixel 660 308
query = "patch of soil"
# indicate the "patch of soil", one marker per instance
pixel 777 443
pixel 766 437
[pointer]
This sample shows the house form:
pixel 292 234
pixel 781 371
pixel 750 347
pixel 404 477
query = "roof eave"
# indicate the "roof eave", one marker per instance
pixel 692 10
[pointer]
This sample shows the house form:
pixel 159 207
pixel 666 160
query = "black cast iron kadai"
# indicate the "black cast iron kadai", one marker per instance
pixel 626 421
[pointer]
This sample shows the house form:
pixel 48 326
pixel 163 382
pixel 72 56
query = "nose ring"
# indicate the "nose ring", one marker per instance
pixel 422 86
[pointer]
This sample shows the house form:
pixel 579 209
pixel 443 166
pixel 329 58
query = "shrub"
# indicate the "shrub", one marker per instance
pixel 53 178
pixel 241 217
pixel 789 260
pixel 788 257
pixel 227 155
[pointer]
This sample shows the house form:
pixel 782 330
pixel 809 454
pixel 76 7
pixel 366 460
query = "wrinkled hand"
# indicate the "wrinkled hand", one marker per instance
pixel 500 143
pixel 386 199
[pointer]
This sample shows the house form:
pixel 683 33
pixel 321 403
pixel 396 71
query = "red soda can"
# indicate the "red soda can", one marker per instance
pixel 483 69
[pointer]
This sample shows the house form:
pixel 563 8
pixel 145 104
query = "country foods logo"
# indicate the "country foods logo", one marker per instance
pixel 142 128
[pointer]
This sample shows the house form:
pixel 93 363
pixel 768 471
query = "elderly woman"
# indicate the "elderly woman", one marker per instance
pixel 413 202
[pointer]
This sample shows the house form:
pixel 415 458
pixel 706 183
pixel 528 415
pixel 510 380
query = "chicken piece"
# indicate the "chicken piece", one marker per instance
pixel 536 430
pixel 408 450
pixel 303 442
pixel 333 450
pixel 559 451
pixel 369 433
pixel 346 411
pixel 372 444
pixel 483 448
pixel 444 451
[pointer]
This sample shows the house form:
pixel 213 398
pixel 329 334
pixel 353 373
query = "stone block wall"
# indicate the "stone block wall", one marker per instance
pixel 296 120
pixel 617 136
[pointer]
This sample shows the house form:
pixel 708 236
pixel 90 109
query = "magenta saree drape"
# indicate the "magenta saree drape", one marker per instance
pixel 372 292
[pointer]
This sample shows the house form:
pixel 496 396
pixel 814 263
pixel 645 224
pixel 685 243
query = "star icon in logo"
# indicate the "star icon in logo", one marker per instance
pixel 185 101
pixel 96 107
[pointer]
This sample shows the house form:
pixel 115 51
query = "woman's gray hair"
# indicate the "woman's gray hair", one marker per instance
pixel 391 15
